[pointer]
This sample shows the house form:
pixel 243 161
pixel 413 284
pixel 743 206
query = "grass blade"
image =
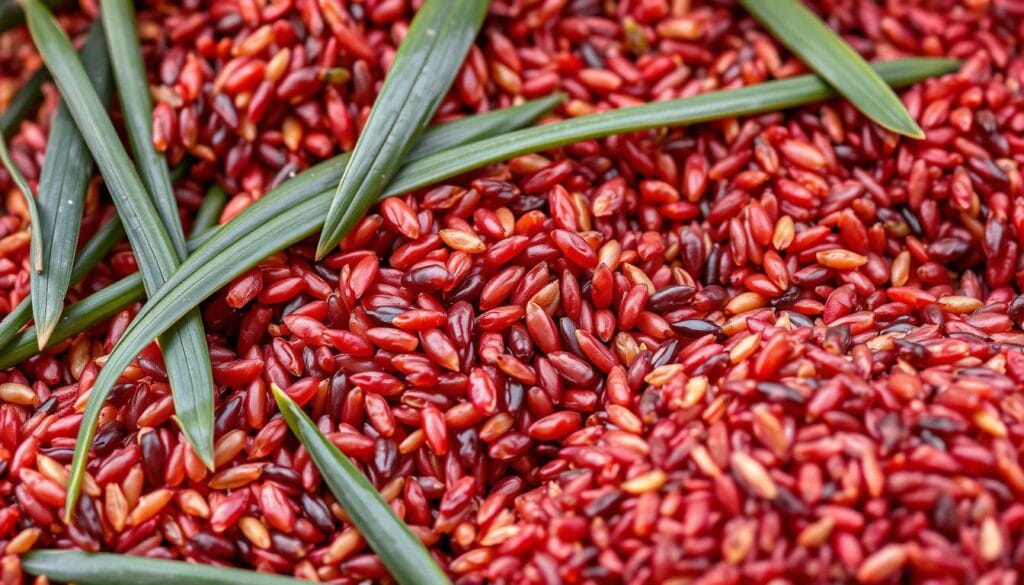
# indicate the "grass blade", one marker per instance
pixel 71 566
pixel 90 254
pixel 295 210
pixel 427 62
pixel 25 101
pixel 133 88
pixel 67 169
pixel 796 27
pixel 209 212
pixel 400 551
pixel 184 346
pixel 315 180
pixel 11 14
pixel 36 244
pixel 764 97
pixel 188 368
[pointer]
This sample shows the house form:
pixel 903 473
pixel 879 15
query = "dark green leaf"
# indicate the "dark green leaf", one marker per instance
pixel 765 97
pixel 209 212
pixel 11 14
pixel 295 210
pixel 310 182
pixel 133 89
pixel 188 371
pixel 400 551
pixel 793 25
pixel 73 566
pixel 25 101
pixel 67 169
pixel 184 346
pixel 36 245
pixel 93 251
pixel 77 318
pixel 427 62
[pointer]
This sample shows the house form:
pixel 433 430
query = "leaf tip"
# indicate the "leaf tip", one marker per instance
pixel 323 247
pixel 70 502
pixel 914 132
pixel 279 395
pixel 44 331
pixel 200 441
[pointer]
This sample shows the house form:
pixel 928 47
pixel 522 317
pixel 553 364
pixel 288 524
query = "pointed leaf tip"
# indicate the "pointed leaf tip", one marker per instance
pixel 439 38
pixel 828 55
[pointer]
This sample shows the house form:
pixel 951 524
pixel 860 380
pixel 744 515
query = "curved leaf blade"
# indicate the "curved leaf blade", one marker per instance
pixel 77 318
pixel 821 49
pixel 400 551
pixel 36 245
pixel 295 211
pixel 133 88
pixel 67 170
pixel 427 62
pixel 192 384
pixel 25 101
pixel 72 566
pixel 209 212
pixel 90 254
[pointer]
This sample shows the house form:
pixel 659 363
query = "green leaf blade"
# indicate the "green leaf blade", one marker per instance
pixel 67 169
pixel 425 66
pixel 76 318
pixel 190 376
pixel 800 30
pixel 104 303
pixel 11 14
pixel 209 211
pixel 36 245
pixel 400 551
pixel 25 101
pixel 90 254
pixel 130 72
pixel 153 247
pixel 750 100
pixel 72 566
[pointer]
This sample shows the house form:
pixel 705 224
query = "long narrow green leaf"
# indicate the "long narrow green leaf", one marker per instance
pixel 764 97
pixel 67 169
pixel 290 193
pixel 400 551
pixel 25 101
pixel 184 346
pixel 427 62
pixel 90 254
pixel 77 318
pixel 11 14
pixel 35 244
pixel 209 212
pixel 189 372
pixel 295 210
pixel 73 566
pixel 133 88
pixel 796 27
